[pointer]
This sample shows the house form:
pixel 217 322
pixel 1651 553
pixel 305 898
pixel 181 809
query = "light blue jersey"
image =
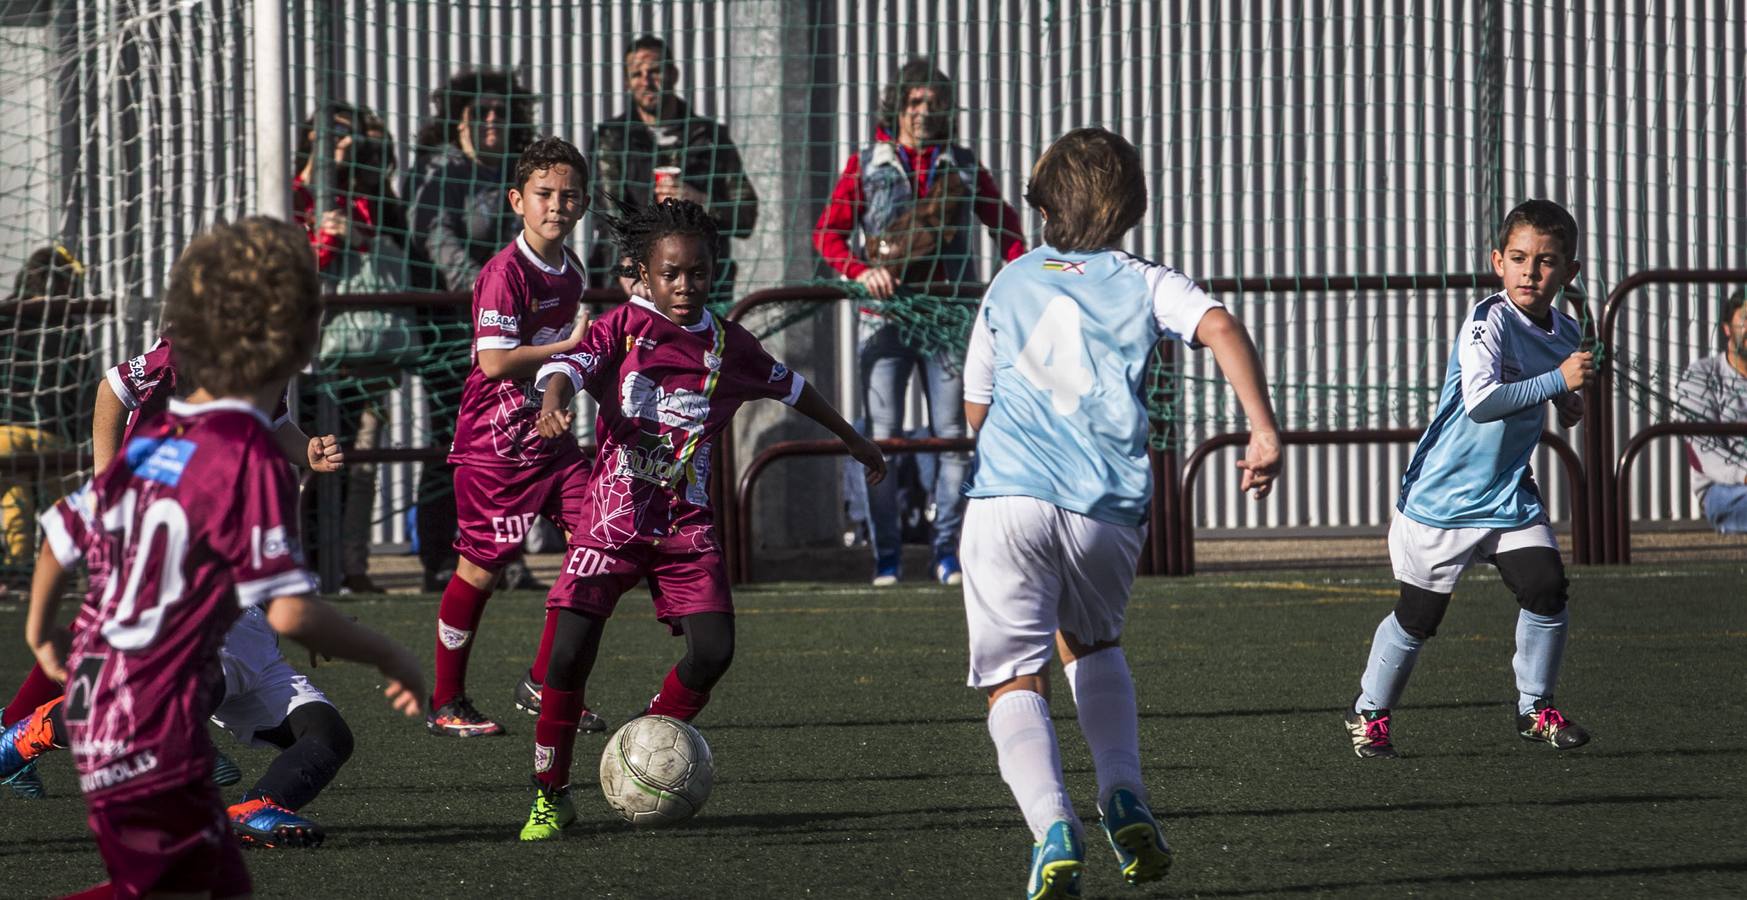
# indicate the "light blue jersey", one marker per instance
pixel 1060 352
pixel 1471 468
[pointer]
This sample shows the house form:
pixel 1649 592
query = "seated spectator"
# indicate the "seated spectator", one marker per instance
pixel 357 237
pixel 44 393
pixel 1714 389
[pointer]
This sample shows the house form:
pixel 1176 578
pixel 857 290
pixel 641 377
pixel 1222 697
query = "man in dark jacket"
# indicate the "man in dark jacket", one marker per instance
pixel 635 155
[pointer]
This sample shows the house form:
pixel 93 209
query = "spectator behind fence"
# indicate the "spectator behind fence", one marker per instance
pixel 44 393
pixel 358 237
pixel 658 150
pixel 460 219
pixel 911 195
pixel 1714 389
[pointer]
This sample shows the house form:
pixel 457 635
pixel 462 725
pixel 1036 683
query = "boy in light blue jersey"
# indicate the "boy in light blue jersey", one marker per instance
pixel 1469 493
pixel 1055 522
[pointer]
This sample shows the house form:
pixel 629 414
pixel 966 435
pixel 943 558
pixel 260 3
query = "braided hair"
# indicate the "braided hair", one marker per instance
pixel 637 229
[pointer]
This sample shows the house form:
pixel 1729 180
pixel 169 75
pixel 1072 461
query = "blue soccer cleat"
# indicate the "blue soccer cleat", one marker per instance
pixel 1135 835
pixel 27 784
pixel 1056 864
pixel 263 823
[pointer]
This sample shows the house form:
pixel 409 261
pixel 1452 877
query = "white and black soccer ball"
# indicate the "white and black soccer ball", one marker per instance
pixel 657 771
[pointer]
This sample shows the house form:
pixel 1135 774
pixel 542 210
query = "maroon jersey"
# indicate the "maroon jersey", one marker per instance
pixel 518 300
pixel 146 383
pixel 665 391
pixel 198 519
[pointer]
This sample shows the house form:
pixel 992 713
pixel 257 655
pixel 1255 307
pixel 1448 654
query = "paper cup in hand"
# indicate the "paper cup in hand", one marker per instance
pixel 665 174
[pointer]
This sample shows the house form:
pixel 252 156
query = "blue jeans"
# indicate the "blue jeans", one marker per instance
pixel 886 364
pixel 1726 506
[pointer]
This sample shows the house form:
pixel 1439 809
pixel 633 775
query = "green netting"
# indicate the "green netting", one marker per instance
pixel 1279 140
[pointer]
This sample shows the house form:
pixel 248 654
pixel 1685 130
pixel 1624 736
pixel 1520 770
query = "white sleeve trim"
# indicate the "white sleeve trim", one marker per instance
pixel 794 395
pixel 1176 301
pixel 119 386
pixel 555 368
pixel 497 343
pixel 67 551
pixel 286 584
pixel 979 363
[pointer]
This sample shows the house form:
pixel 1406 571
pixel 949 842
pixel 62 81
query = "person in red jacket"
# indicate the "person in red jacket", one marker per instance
pixel 901 214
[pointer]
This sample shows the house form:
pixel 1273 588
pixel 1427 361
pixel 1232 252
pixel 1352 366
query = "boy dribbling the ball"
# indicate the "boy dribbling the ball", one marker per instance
pixel 1469 494
pixel 669 376
pixel 199 523
pixel 1055 522
pixel 525 306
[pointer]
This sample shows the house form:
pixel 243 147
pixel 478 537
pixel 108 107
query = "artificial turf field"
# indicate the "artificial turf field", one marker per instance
pixel 852 761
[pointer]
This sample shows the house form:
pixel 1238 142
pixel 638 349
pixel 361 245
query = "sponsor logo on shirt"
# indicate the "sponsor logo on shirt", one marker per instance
pixel 651 460
pixel 588 361
pixel 118 772
pixel 778 372
pixel 162 461
pixel 548 303
pixel 635 342
pixel 642 398
pixel 136 368
pixel 491 318
pixel 1067 266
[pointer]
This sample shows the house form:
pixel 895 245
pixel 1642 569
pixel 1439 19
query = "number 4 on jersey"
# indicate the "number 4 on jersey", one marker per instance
pixel 1054 359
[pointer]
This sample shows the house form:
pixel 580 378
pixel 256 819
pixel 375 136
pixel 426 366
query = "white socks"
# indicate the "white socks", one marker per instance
pixel 1110 720
pixel 1393 653
pixel 1540 648
pixel 1030 761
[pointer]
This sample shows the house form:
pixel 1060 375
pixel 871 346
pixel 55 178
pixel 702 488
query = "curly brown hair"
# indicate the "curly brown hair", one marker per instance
pixel 1091 186
pixel 244 305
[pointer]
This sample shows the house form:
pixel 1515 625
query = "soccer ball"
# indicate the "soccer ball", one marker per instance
pixel 656 771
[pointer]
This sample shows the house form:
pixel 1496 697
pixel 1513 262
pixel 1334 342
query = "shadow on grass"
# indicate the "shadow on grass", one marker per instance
pixel 1064 714
pixel 1697 868
pixel 1435 805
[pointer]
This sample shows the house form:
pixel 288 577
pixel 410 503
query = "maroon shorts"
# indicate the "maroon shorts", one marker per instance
pixel 174 841
pixel 496 505
pixel 682 583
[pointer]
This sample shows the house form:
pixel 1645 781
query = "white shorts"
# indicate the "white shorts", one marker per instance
pixel 260 687
pixel 1434 558
pixel 1030 568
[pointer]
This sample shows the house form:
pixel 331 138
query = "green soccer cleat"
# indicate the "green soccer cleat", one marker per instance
pixel 1134 834
pixel 1056 864
pixel 552 812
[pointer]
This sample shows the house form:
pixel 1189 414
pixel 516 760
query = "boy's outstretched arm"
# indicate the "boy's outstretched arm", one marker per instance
pixel 47 640
pixel 1237 358
pixel 814 406
pixel 318 626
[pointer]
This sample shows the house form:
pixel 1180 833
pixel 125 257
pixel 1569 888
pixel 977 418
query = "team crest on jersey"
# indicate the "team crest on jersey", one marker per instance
pixel 1479 333
pixel 161 460
pixel 1067 266
pixel 712 361
pixel 651 459
pixel 778 372
pixel 452 637
pixel 491 318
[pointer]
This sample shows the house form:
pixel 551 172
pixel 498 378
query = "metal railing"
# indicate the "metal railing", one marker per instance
pixel 1622 512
